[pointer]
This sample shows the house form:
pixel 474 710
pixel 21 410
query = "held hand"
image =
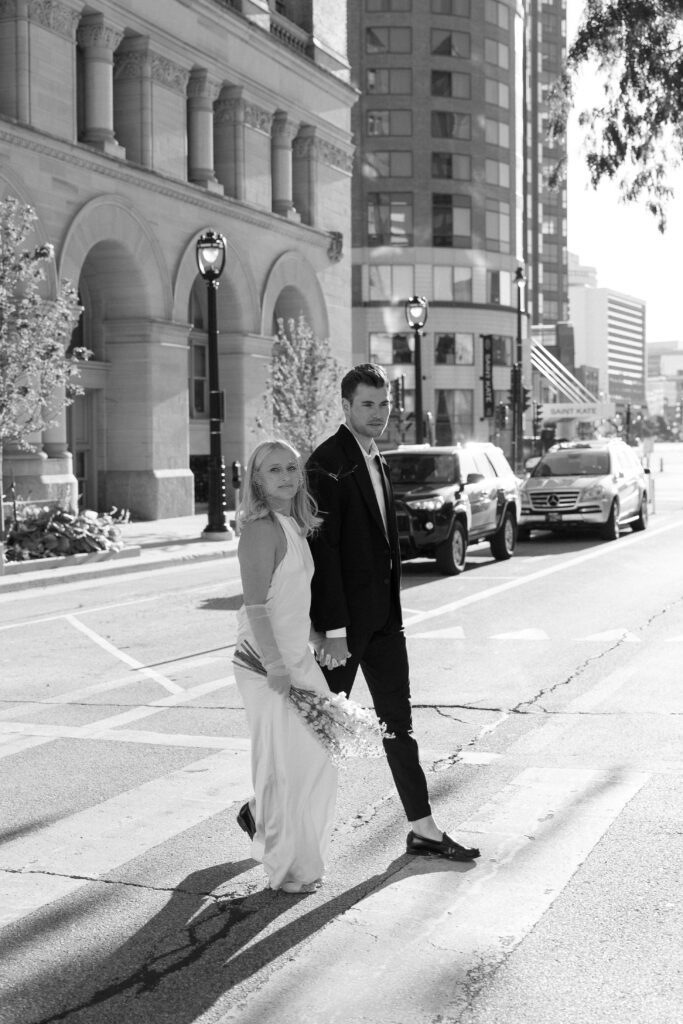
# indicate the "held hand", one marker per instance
pixel 280 682
pixel 333 652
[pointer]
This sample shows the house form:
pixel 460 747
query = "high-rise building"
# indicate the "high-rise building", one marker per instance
pixel 131 128
pixel 443 118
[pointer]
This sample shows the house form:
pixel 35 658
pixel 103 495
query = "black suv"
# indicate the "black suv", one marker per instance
pixel 449 497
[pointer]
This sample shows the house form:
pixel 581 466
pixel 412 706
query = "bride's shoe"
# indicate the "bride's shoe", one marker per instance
pixel 299 887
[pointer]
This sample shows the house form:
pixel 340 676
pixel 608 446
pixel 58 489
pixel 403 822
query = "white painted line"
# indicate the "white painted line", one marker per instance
pixel 522 634
pixel 81 611
pixel 34 735
pixel 454 633
pixel 522 581
pixel 16 743
pixel 613 634
pixel 430 929
pixel 94 842
pixel 150 673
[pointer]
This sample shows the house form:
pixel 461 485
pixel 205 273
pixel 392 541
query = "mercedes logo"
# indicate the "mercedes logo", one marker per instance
pixel 553 500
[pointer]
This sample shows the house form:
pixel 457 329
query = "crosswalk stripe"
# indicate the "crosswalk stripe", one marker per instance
pixel 151 673
pixel 443 922
pixel 55 861
pixel 522 634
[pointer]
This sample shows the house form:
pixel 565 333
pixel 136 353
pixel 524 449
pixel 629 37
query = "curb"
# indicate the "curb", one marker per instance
pixel 93 566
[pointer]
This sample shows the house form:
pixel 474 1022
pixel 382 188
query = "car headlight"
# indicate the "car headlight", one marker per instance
pixel 595 491
pixel 426 504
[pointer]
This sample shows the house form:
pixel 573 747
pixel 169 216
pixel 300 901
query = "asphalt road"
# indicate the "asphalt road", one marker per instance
pixel 548 708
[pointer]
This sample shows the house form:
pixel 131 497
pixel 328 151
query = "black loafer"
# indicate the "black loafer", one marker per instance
pixel 245 820
pixel 448 848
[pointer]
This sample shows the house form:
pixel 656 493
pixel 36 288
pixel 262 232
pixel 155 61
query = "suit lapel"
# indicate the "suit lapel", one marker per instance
pixel 362 475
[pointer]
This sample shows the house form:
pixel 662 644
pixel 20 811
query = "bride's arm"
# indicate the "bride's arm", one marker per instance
pixel 259 552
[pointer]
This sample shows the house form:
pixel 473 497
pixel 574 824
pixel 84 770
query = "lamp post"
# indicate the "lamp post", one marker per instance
pixel 517 381
pixel 211 262
pixel 416 314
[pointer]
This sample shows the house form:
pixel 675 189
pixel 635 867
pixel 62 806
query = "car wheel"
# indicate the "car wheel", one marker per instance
pixel 610 529
pixel 452 554
pixel 503 540
pixel 641 522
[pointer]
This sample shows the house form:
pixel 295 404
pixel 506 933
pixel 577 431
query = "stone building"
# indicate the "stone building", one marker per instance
pixel 131 128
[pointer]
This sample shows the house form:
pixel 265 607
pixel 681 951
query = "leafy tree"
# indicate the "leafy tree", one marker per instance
pixel 635 135
pixel 37 372
pixel 302 391
pixel 35 366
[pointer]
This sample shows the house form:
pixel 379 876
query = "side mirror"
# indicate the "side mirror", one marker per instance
pixel 474 478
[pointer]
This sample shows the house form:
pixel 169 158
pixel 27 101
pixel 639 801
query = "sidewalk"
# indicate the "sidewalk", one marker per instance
pixel 148 545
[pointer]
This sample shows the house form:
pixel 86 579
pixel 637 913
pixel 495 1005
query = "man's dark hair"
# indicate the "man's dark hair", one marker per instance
pixel 366 373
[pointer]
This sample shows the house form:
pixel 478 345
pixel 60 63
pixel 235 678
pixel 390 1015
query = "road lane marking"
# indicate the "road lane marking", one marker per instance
pixel 610 635
pixel 150 673
pixel 482 595
pixel 45 732
pixel 104 726
pixel 522 634
pixel 57 860
pixel 442 924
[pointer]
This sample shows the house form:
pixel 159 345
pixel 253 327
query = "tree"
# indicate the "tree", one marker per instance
pixel 302 391
pixel 635 135
pixel 37 371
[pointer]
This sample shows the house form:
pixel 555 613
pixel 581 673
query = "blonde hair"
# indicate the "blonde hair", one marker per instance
pixel 254 504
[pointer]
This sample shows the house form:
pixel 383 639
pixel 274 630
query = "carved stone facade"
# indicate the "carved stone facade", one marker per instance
pixel 131 142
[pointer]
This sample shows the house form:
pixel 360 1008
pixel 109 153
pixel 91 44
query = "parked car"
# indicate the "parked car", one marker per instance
pixel 450 497
pixel 599 485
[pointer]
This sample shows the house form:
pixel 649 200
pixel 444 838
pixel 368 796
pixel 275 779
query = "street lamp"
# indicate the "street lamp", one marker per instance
pixel 517 382
pixel 211 262
pixel 416 315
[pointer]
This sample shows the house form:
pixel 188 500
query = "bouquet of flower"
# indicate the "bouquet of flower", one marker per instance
pixel 344 728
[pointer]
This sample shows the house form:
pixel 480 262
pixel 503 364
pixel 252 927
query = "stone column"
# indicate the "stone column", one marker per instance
pixel 201 93
pixel 229 143
pixel 305 172
pixel 282 135
pixel 98 42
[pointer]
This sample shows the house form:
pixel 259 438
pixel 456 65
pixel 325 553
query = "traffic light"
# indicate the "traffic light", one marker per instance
pixel 515 371
pixel 526 399
pixel 501 416
pixel 538 418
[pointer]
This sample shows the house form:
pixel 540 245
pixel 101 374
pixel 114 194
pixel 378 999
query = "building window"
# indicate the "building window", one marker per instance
pixel 393 81
pixel 396 163
pixel 461 8
pixel 501 346
pixel 390 218
pixel 446 125
pixel 198 379
pixel 451 44
pixel 382 39
pixel 497 93
pixel 445 415
pixel 454 415
pixel 399 6
pixel 497 13
pixel 497 53
pixel 451 221
pixel 498 283
pixel 454 349
pixel 390 282
pixel 497 226
pixel 455 84
pixel 390 349
pixel 497 133
pixel 497 173
pixel 452 166
pixel 389 122
pixel 452 284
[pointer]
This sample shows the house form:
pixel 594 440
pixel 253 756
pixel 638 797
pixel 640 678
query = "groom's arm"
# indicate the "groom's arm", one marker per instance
pixel 329 609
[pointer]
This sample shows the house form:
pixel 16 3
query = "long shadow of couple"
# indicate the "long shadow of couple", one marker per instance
pixel 206 942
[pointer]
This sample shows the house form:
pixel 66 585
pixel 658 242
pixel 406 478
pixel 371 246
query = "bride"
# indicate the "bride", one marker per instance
pixel 290 817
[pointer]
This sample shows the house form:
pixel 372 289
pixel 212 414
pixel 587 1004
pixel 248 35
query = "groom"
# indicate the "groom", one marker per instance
pixel 356 602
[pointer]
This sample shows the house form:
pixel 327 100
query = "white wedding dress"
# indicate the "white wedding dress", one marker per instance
pixel 295 783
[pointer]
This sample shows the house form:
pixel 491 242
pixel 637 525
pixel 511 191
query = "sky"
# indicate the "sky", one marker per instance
pixel 622 241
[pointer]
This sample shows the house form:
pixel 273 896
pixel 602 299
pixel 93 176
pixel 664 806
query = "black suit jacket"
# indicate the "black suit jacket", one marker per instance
pixel 357 576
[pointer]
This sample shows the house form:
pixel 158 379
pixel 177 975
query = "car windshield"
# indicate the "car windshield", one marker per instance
pixel 426 469
pixel 573 462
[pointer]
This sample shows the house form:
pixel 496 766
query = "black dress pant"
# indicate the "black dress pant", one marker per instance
pixel 383 657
